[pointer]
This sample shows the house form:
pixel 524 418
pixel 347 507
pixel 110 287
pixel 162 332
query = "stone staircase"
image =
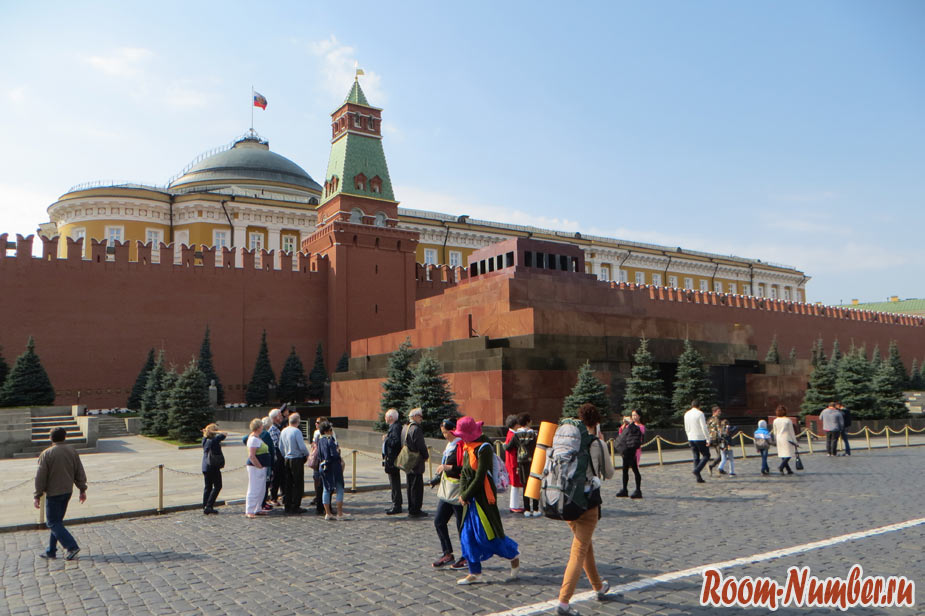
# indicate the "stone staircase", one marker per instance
pixel 42 425
pixel 111 427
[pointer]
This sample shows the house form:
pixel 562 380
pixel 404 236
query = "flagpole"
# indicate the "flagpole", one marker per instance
pixel 252 107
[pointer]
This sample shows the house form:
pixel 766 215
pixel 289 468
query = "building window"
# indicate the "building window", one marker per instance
pixel 220 240
pixel 113 235
pixel 688 283
pixel 154 237
pixel 717 287
pixel 703 285
pixel 371 123
pixel 673 282
pixel 289 243
pixel 623 275
pixel 430 256
pixel 356 121
pixel 760 289
pixel 79 234
pixel 380 218
pixel 788 295
pixel 657 279
pixel 640 277
pixel 604 273
pixel 746 288
pixel 255 241
pixel 356 216
pixel 732 288
pixel 773 291
pixel 455 258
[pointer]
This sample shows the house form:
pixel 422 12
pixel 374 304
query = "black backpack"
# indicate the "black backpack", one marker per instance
pixel 526 443
pixel 631 437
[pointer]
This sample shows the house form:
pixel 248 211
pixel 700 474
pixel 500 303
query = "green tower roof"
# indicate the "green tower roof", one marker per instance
pixel 354 153
pixel 356 95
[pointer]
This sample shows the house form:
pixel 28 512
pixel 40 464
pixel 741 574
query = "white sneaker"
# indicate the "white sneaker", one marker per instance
pixel 537 514
pixel 330 517
pixel 469 579
pixel 602 593
pixel 343 516
pixel 527 514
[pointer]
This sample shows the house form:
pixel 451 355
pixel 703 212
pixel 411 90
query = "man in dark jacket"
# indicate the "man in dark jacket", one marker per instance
pixel 846 421
pixel 391 445
pixel 413 437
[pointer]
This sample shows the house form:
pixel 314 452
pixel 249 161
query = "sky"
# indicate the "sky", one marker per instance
pixel 791 131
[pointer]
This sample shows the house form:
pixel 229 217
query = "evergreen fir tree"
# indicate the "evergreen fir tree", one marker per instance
pixel 138 390
pixel 793 354
pixel 318 376
pixel 853 384
pixel 818 353
pixel 258 390
pixel 4 368
pixel 153 386
pixel 875 359
pixel 773 356
pixel 205 365
pixel 343 364
pixel 188 410
pixel 821 389
pixel 587 389
pixel 292 379
pixel 645 390
pixel 430 391
pixel 691 382
pixel 889 400
pixel 397 382
pixel 27 383
pixel 161 415
pixel 897 362
pixel 836 354
pixel 915 376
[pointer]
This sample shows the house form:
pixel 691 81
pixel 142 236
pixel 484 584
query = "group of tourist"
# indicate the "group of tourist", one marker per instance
pixel 835 421
pixel 717 432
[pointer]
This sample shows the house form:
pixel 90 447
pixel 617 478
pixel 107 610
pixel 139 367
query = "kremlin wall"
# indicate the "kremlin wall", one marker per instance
pixel 510 319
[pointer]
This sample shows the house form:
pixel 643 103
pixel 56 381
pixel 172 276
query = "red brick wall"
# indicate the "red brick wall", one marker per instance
pixel 93 323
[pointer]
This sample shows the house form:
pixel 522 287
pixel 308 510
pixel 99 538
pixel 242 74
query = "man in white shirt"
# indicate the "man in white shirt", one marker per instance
pixel 695 425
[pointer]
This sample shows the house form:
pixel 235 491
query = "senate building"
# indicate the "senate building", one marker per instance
pixel 245 195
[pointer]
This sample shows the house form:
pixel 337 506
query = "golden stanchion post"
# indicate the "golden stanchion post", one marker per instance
pixel 742 443
pixel 613 456
pixel 42 510
pixel 907 435
pixel 658 444
pixel 353 479
pixel 809 441
pixel 887 430
pixel 160 488
pixel 430 465
pixel 867 436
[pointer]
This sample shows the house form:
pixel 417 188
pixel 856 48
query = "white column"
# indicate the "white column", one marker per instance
pixel 273 243
pixel 240 241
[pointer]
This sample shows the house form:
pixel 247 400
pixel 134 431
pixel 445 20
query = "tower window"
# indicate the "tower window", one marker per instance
pixel 356 216
pixel 359 181
pixel 356 121
pixel 380 219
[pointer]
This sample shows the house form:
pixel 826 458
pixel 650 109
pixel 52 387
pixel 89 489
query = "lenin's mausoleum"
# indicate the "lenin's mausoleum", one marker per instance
pixel 244 241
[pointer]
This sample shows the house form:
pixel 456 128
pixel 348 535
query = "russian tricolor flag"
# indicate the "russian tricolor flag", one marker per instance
pixel 260 100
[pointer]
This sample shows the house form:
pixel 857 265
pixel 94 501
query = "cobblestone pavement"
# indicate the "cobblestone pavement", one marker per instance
pixel 187 563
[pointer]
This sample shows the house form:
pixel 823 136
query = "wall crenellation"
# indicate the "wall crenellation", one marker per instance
pixel 201 257
pixel 749 302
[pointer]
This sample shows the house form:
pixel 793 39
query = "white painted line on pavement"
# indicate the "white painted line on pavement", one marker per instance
pixel 536 608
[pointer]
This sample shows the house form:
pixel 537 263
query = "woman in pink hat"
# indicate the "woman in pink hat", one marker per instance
pixel 482 535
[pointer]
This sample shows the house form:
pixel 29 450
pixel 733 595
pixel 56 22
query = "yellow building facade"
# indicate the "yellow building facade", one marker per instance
pixel 245 195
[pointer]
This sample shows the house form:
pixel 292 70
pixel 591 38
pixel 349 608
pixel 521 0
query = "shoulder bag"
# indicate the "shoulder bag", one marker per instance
pixel 406 459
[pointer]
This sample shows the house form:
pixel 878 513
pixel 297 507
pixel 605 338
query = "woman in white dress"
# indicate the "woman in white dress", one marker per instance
pixel 258 458
pixel 786 439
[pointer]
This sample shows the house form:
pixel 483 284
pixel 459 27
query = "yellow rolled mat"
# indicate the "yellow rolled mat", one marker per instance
pixel 543 441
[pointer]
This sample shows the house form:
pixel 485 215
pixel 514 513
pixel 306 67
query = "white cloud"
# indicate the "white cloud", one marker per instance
pixel 123 62
pixel 180 95
pixel 17 95
pixel 420 199
pixel 338 70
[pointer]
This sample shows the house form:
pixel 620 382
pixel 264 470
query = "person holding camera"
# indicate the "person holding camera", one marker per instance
pixel 212 462
pixel 630 442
